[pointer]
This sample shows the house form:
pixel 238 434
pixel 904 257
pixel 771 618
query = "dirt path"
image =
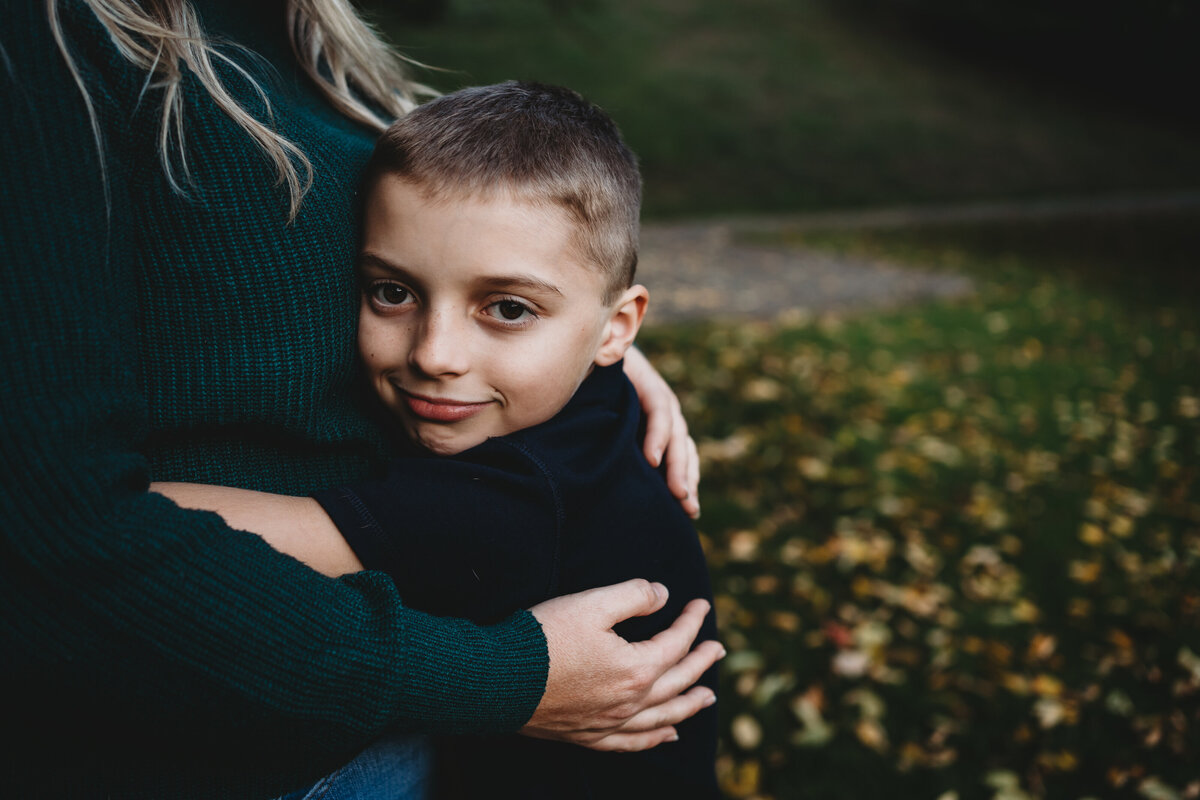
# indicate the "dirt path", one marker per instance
pixel 703 270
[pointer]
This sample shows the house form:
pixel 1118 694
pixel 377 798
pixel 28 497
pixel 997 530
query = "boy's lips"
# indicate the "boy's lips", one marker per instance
pixel 437 409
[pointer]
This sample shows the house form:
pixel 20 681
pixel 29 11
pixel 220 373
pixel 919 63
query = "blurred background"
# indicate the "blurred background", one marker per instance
pixel 927 285
pixel 778 105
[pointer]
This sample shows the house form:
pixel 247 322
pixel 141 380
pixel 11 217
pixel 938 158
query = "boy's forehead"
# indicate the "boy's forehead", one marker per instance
pixel 541 213
pixel 446 194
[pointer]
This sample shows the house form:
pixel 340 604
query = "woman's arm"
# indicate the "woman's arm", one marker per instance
pixel 293 525
pixel 587 660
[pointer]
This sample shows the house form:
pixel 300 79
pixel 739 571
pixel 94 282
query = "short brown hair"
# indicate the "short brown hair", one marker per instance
pixel 543 144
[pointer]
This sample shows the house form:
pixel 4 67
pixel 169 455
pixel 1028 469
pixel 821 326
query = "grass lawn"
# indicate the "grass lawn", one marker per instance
pixel 956 548
pixel 786 104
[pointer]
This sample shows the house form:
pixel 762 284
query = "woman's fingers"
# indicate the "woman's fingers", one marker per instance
pixel 666 432
pixel 670 647
pixel 599 683
pixel 694 475
pixel 659 425
pixel 655 725
pixel 632 742
pixel 619 602
pixel 658 403
pixel 683 472
pixel 671 712
pixel 684 674
pixel 677 447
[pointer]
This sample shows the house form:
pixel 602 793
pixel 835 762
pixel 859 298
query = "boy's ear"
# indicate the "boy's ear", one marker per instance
pixel 623 326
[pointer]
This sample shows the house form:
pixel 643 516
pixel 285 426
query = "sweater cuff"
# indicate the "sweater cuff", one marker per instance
pixel 477 680
pixel 456 677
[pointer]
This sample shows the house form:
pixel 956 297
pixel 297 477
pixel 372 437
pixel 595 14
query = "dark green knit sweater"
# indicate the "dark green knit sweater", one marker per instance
pixel 146 650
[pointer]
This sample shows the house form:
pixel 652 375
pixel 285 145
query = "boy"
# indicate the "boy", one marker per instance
pixel 499 246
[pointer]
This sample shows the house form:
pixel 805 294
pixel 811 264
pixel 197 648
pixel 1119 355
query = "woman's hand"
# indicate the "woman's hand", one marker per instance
pixel 666 431
pixel 609 694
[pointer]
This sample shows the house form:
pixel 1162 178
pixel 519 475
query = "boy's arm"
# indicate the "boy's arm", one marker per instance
pixel 296 526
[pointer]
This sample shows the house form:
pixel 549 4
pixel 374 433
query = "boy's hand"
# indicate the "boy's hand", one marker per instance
pixel 609 694
pixel 666 431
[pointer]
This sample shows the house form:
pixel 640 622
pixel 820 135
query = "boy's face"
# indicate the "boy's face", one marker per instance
pixel 478 318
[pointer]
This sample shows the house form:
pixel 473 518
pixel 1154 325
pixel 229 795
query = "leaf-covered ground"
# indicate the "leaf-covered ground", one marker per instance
pixel 956 548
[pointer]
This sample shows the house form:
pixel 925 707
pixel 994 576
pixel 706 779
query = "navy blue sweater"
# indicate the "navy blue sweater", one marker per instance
pixel 563 506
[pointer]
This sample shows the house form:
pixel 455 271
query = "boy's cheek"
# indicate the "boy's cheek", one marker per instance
pixel 378 341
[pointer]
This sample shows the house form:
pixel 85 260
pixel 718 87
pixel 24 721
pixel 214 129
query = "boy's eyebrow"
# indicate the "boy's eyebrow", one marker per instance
pixel 368 259
pixel 497 283
pixel 518 282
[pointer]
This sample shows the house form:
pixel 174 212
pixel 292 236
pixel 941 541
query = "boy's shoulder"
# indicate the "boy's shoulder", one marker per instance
pixel 591 454
pixel 595 432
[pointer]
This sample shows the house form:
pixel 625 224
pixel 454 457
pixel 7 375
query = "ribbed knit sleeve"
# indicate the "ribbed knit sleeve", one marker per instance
pixel 147 649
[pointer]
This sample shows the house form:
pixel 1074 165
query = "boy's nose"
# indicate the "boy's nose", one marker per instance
pixel 439 347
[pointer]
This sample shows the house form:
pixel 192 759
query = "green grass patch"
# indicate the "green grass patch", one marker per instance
pixel 956 547
pixel 785 104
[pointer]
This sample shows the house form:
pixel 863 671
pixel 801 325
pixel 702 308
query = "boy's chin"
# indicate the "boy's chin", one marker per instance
pixel 442 445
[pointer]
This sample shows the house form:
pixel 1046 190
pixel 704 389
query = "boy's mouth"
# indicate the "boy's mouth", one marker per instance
pixel 435 409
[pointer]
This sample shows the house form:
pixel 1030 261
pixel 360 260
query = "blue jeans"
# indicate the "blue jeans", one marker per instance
pixel 394 768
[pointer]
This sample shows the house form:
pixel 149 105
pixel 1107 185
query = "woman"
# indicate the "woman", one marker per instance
pixel 177 237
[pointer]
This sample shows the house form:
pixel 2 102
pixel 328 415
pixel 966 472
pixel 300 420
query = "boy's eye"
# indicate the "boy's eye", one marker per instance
pixel 511 311
pixel 390 294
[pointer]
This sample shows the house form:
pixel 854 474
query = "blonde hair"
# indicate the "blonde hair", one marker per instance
pixel 350 64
